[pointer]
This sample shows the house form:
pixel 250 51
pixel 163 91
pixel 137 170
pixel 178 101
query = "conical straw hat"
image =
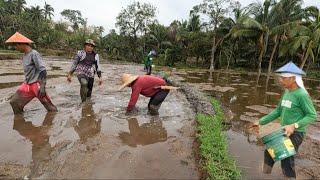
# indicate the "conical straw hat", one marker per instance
pixel 127 79
pixel 290 68
pixel 18 38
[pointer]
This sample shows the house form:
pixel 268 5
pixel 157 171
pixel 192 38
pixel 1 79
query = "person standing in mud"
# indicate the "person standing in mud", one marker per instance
pixel 149 86
pixel 86 64
pixel 35 73
pixel 148 61
pixel 296 112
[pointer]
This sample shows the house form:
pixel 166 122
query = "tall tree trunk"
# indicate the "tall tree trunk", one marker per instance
pixel 220 64
pixel 277 39
pixel 228 60
pixel 197 61
pixel 213 53
pixel 304 60
pixel 260 60
pixel 263 50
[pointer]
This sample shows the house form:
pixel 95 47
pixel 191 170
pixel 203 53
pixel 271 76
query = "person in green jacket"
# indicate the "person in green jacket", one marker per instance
pixel 148 61
pixel 295 112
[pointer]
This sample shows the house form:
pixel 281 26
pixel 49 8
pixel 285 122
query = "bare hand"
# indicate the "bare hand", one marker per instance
pixel 100 82
pixel 69 78
pixel 134 111
pixel 289 129
pixel 42 92
pixel 256 124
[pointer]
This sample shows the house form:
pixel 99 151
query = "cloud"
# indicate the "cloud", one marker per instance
pixel 104 12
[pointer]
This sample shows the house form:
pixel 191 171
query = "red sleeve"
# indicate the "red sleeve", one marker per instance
pixel 134 98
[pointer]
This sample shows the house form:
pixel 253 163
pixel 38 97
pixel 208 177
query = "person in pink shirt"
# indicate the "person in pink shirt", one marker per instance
pixel 149 86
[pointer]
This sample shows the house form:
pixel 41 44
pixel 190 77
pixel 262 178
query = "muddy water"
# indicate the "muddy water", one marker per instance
pixel 246 101
pixel 94 139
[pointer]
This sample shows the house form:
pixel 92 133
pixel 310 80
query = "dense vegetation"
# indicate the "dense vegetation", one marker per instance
pixel 215 159
pixel 218 33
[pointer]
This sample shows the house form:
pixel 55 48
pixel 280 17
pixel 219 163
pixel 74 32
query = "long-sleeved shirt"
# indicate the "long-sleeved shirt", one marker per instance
pixel 145 85
pixel 86 64
pixel 294 107
pixel 33 65
pixel 148 61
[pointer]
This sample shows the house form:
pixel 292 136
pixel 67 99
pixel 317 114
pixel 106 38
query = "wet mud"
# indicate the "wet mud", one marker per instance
pixel 94 139
pixel 245 100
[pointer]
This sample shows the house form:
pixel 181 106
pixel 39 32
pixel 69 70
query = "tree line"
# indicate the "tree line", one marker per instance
pixel 217 34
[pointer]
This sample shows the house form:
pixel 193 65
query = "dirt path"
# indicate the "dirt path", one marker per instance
pixel 95 139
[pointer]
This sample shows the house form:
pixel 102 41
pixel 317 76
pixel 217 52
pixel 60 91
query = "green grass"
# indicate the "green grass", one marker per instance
pixel 215 159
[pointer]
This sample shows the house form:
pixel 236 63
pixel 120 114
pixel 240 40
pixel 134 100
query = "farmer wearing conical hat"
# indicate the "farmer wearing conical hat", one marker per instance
pixel 295 111
pixel 35 76
pixel 86 64
pixel 149 86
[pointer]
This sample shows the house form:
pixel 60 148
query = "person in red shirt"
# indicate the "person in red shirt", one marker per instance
pixel 149 86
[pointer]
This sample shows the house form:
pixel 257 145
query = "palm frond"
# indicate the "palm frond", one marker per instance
pixel 252 24
pixel 309 52
pixel 300 41
pixel 244 33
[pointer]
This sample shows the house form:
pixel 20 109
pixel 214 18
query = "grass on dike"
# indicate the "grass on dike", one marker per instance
pixel 215 159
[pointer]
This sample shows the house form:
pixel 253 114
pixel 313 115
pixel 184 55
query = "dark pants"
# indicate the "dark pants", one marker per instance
pixel 156 101
pixel 287 164
pixel 149 68
pixel 86 87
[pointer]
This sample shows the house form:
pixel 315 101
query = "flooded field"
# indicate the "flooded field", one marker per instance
pixel 245 100
pixel 97 140
pixel 94 139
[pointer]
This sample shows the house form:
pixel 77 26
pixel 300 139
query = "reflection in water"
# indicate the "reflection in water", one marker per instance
pixel 147 133
pixel 246 93
pixel 39 138
pixel 257 80
pixel 210 76
pixel 88 126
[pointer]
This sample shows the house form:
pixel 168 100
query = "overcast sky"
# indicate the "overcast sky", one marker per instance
pixel 104 12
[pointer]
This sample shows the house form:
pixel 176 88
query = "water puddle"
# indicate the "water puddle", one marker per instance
pixel 144 134
pixel 246 101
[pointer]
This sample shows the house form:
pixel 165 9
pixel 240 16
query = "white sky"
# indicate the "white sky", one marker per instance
pixel 104 12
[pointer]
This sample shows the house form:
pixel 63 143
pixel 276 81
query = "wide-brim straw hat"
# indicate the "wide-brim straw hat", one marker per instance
pixel 19 38
pixel 127 79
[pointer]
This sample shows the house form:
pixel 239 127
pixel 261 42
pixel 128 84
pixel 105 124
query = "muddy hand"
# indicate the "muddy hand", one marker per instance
pixel 289 129
pixel 100 82
pixel 42 92
pixel 69 78
pixel 133 112
pixel 256 124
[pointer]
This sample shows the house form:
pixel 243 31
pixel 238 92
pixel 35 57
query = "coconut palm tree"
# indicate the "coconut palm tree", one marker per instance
pixel 284 15
pixel 48 11
pixel 158 33
pixel 304 39
pixel 35 13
